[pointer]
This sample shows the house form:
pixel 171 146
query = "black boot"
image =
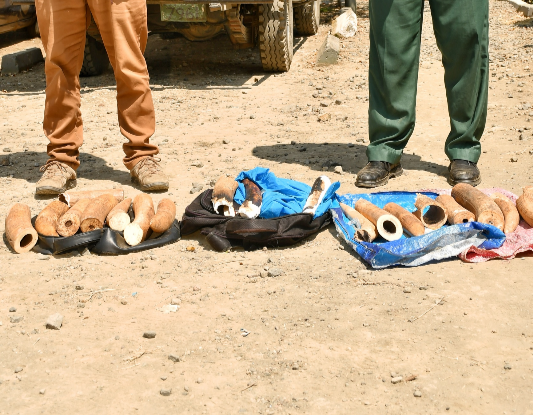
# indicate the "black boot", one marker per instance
pixel 463 171
pixel 377 173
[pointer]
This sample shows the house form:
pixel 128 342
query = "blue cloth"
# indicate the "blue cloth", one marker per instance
pixel 445 242
pixel 283 196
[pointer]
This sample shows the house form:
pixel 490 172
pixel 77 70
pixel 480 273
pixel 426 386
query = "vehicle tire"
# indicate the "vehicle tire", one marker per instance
pixel 169 35
pixel 276 35
pixel 95 60
pixel 307 18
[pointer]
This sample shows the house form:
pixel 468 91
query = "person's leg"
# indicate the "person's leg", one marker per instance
pixel 123 27
pixel 62 25
pixel 461 28
pixel 395 28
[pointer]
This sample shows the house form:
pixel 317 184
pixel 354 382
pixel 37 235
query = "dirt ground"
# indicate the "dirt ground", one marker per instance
pixel 326 336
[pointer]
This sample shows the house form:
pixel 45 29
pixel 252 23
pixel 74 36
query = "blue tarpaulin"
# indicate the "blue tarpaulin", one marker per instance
pixel 446 242
pixel 282 196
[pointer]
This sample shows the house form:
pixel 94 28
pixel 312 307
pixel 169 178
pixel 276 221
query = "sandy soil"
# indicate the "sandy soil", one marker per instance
pixel 324 337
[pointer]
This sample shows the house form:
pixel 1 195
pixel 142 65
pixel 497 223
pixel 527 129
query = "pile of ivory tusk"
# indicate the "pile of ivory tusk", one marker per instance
pixel 224 195
pixel 87 211
pixel 466 204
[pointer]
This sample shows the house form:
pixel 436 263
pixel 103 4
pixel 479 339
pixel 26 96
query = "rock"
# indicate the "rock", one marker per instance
pixel 417 394
pixel 196 187
pixel 175 301
pixel 42 391
pixel 325 103
pixel 328 54
pixel 338 170
pixel 5 160
pixel 19 369
pixel 12 309
pixel 149 334
pixel 396 380
pixel 324 117
pixel 522 7
pixel 54 322
pixel 339 102
pixel 6 150
pixel 263 274
pixel 422 288
pixel 20 61
pixel 514 159
pixel 16 319
pixel 275 272
pixel 174 357
pixel 407 290
pixel 199 380
pixel 225 142
pixel 79 287
pixel 169 308
pixel 345 25
pixel 252 117
pixel 42 257
pixel 164 378
pixel 165 392
pixel 507 366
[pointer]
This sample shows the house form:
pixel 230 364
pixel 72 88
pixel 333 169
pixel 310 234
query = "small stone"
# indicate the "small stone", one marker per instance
pixel 339 102
pixel 338 170
pixel 396 379
pixel 165 392
pixel 252 117
pixel 175 301
pixel 42 391
pixel 20 61
pixel 422 288
pixel 225 142
pixel 123 302
pixel 6 150
pixel 149 334
pixel 42 257
pixel 324 117
pixel 199 380
pixel 407 290
pixel 417 394
pixel 196 187
pixel 5 159
pixel 263 274
pixel 514 159
pixel 12 309
pixel 163 378
pixel 54 322
pixel 345 25
pixel 293 143
pixel 16 319
pixel 117 337
pixel 19 369
pixel 174 357
pixel 275 272
pixel 507 366
pixel 79 287
pixel 325 103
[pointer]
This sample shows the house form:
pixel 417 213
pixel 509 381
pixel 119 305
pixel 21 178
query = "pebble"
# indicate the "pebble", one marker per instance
pixel 163 378
pixel 165 392
pixel 42 391
pixel 19 369
pixel 175 301
pixel 199 380
pixel 79 287
pixel 16 319
pixel 42 257
pixel 275 272
pixel 325 103
pixel 7 150
pixel 417 394
pixel 225 142
pixel 422 288
pixel 174 357
pixel 12 309
pixel 149 334
pixel 514 159
pixel 54 322
pixel 507 366
pixel 407 290
pixel 196 187
pixel 324 117
pixel 396 379
pixel 338 170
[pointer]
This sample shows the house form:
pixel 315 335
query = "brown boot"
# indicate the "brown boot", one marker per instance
pixel 57 178
pixel 149 175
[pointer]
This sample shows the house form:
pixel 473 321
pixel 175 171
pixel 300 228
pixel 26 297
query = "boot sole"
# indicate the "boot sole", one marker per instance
pixel 152 187
pixel 470 182
pixel 397 172
pixel 49 190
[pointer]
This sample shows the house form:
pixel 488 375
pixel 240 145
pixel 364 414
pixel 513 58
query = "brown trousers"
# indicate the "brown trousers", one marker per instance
pixel 123 27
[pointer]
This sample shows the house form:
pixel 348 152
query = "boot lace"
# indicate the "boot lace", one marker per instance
pixel 53 168
pixel 149 165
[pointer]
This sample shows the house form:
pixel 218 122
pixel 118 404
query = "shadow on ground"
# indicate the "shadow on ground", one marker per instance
pixel 25 166
pixel 351 157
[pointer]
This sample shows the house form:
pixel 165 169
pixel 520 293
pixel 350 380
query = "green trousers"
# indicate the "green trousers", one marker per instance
pixel 461 30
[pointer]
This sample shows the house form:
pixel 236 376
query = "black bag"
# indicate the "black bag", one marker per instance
pixel 224 232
